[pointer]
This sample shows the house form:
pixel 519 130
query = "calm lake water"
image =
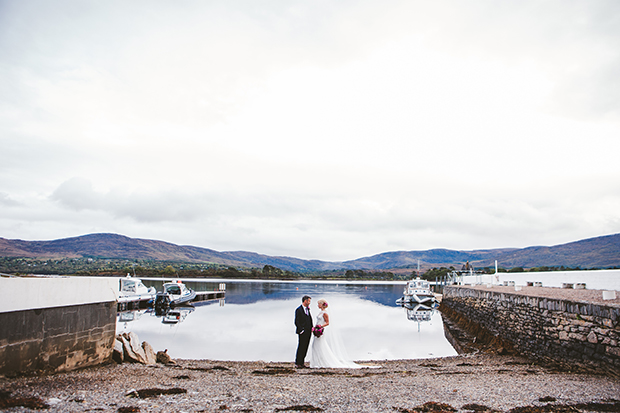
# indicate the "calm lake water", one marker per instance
pixel 256 322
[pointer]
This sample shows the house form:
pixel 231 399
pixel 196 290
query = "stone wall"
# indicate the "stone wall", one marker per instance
pixel 57 339
pixel 550 330
pixel 56 324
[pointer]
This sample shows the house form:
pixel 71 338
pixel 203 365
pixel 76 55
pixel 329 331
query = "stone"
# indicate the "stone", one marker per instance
pixel 151 357
pixel 133 349
pixel 614 351
pixel 592 338
pixel 118 354
pixel 578 337
pixel 164 358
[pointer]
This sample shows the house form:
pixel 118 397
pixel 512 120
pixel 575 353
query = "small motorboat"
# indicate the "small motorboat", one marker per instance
pixel 132 289
pixel 174 293
pixel 417 291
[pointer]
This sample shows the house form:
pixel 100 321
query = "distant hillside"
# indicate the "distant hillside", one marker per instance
pixel 119 246
pixel 599 252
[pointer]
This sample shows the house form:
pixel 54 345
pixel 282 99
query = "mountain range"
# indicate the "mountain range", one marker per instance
pixel 598 252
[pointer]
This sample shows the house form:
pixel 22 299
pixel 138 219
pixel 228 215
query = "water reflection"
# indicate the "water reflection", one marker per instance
pixel 175 315
pixel 256 323
pixel 129 316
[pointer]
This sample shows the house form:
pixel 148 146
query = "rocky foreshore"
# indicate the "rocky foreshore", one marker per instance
pixel 480 382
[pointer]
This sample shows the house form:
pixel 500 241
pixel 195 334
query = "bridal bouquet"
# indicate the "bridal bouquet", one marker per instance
pixel 317 330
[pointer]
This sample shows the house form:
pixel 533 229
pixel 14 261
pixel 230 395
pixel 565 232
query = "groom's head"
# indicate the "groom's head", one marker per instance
pixel 305 300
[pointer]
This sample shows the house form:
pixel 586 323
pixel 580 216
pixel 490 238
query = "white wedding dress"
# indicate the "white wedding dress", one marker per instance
pixel 328 350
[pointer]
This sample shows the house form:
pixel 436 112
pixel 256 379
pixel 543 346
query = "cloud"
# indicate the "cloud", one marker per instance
pixel 6 200
pixel 328 225
pixel 322 130
pixel 167 206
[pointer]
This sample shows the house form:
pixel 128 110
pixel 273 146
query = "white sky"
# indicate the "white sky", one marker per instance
pixel 314 129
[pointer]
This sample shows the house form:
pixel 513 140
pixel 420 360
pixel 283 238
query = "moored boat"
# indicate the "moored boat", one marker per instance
pixel 174 293
pixel 133 290
pixel 417 291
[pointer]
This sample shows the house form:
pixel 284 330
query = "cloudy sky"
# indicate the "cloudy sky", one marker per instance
pixel 315 129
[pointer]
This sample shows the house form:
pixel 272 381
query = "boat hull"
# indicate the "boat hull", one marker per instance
pixel 183 298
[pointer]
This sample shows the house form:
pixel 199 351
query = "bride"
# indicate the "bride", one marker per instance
pixel 327 349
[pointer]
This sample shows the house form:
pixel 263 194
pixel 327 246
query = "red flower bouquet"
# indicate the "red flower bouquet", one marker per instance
pixel 317 330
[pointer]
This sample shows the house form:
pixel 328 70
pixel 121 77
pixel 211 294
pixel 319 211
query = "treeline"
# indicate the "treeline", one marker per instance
pixel 140 268
pixel 372 275
pixel 93 266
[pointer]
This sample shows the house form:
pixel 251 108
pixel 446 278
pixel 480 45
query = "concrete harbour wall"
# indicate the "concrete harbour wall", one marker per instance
pixel 594 279
pixel 545 329
pixel 56 324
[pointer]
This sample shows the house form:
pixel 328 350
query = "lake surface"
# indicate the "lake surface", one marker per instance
pixel 256 322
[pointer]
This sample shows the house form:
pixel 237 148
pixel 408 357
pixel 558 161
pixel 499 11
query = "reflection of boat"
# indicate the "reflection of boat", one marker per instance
pixel 132 289
pixel 128 316
pixel 174 293
pixel 419 312
pixel 176 315
pixel 417 291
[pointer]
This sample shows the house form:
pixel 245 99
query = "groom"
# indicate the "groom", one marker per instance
pixel 303 322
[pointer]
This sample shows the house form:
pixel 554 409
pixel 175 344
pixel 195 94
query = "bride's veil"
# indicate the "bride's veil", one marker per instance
pixel 334 338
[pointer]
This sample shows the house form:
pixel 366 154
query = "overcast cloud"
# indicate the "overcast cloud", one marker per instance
pixel 327 130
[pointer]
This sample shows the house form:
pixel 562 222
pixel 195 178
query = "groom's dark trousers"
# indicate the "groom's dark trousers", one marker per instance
pixel 303 323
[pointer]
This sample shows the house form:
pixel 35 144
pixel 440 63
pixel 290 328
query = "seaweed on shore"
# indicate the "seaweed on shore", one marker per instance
pixel 474 407
pixel 128 409
pixel 275 371
pixel 6 400
pixel 146 393
pixel 428 407
pixel 608 406
pixel 221 368
pixel 300 408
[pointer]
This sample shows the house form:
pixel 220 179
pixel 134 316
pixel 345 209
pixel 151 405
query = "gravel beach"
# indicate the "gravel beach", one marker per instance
pixel 480 382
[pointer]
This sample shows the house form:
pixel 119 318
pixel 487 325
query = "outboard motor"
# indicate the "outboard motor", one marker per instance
pixel 162 304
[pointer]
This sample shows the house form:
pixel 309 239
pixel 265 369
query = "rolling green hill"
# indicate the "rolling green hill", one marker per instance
pixel 599 252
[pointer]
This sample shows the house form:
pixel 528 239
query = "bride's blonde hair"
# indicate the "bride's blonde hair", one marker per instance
pixel 322 302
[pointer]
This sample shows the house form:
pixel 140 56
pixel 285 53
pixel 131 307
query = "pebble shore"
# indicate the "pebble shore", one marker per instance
pixel 478 382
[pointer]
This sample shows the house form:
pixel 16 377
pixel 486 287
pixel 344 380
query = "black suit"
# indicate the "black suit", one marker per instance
pixel 303 323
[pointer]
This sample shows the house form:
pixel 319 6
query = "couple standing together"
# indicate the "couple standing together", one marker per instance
pixel 327 350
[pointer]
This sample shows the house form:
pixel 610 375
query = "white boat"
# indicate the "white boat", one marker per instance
pixel 174 293
pixel 417 291
pixel 132 290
